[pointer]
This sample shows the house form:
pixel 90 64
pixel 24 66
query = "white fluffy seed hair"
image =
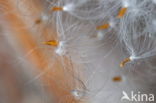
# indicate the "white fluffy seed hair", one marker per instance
pixel 101 51
pixel 96 54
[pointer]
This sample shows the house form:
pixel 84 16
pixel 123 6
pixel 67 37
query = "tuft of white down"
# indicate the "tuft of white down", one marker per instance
pixel 99 52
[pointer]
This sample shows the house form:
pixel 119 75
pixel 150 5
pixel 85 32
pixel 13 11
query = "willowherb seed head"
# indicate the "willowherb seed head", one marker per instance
pixel 95 36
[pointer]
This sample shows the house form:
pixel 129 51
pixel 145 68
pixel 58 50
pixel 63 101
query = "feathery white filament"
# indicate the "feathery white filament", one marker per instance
pixel 68 7
pixel 99 52
pixel 125 3
pixel 60 49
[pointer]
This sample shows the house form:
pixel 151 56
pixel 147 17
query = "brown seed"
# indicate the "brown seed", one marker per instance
pixel 104 26
pixel 122 64
pixel 122 12
pixel 57 8
pixel 52 43
pixel 117 79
